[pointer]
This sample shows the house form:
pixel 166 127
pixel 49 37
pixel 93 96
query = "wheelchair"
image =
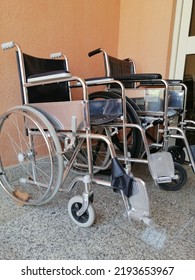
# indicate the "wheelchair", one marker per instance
pixel 160 106
pixel 45 137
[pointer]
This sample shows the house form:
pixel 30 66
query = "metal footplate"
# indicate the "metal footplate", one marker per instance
pixel 161 167
pixel 139 203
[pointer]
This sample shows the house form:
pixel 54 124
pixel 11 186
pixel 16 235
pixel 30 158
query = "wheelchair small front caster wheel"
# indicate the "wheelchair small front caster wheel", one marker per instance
pixel 178 183
pixel 87 218
pixel 177 153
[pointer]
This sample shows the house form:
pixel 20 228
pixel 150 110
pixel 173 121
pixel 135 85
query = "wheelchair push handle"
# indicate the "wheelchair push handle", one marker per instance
pixel 96 51
pixel 7 45
pixel 56 55
pixel 60 55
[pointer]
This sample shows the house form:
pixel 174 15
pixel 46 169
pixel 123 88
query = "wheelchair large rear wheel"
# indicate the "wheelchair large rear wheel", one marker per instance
pixel 31 162
pixel 134 139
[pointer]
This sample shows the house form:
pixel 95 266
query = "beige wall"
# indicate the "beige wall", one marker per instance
pixel 145 33
pixel 138 29
pixel 41 27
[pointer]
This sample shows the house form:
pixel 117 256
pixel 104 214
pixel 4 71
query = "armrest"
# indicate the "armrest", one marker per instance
pixel 99 80
pixel 95 81
pixel 48 76
pixel 139 77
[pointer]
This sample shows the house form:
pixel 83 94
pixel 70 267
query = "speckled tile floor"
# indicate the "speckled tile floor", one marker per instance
pixel 46 232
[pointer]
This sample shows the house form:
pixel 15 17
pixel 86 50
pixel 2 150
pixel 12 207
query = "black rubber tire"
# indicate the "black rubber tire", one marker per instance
pixel 88 217
pixel 176 184
pixel 132 117
pixel 177 153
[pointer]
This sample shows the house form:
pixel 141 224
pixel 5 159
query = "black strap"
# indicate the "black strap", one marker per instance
pixel 120 180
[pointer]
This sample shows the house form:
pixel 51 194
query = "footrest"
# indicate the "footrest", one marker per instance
pixel 192 148
pixel 161 167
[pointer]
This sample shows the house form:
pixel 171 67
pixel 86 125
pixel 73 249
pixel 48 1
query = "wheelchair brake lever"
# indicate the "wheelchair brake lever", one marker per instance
pixel 74 125
pixel 69 141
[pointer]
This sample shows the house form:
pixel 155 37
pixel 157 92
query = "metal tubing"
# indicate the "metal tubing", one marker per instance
pixel 183 136
pixel 103 138
pixel 142 131
pixel 68 167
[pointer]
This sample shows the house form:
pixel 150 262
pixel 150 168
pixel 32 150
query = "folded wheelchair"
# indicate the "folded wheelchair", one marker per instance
pixel 48 134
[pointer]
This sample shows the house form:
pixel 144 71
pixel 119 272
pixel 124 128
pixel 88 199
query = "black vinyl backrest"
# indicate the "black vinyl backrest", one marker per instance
pixel 119 67
pixel 54 92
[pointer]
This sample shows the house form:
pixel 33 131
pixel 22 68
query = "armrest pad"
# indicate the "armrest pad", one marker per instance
pixel 48 76
pixel 98 80
pixel 95 81
pixel 139 77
